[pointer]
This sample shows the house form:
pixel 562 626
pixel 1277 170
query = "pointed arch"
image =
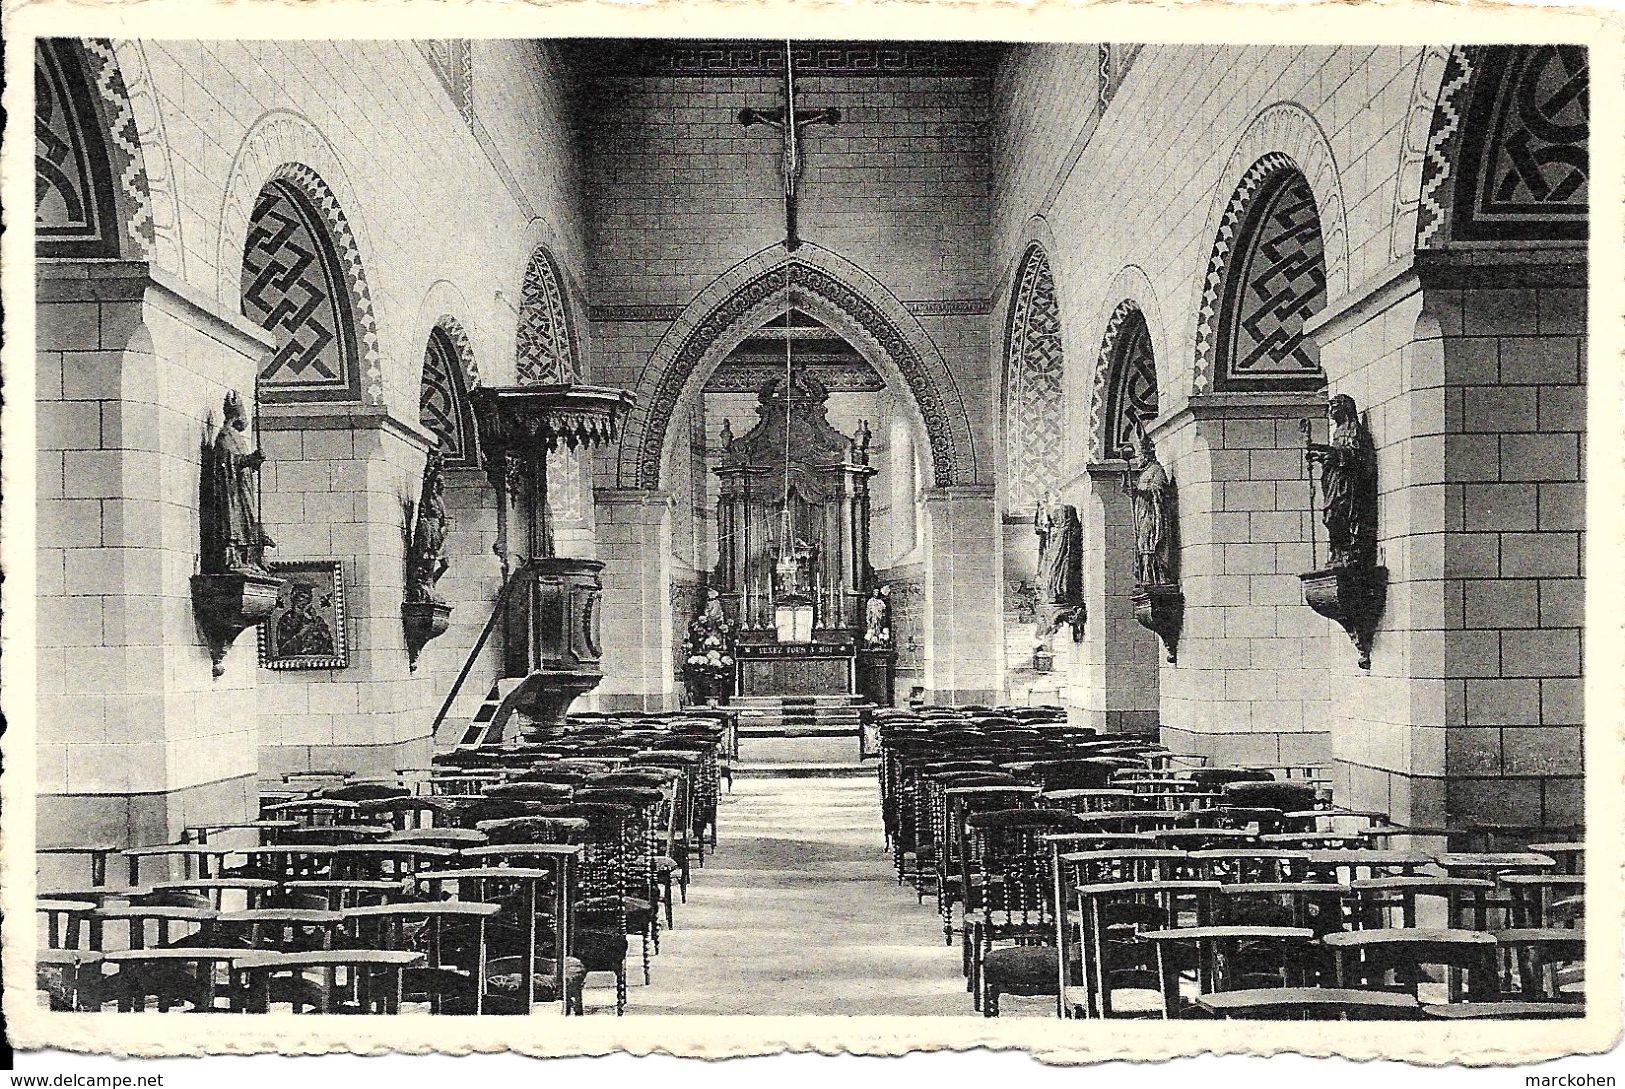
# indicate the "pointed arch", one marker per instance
pixel 546 348
pixel 1033 413
pixel 1126 381
pixel 837 293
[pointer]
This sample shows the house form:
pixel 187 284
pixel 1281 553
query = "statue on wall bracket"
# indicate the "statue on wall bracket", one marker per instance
pixel 1352 588
pixel 425 614
pixel 1158 603
pixel 1060 568
pixel 233 590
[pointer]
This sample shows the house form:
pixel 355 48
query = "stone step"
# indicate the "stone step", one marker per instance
pixel 786 749
pixel 805 771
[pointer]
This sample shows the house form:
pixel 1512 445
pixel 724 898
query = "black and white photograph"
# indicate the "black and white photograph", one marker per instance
pixel 543 534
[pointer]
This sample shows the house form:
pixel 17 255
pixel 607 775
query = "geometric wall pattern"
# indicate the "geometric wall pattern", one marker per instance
pixel 546 348
pixel 1131 391
pixel 1033 415
pixel 292 286
pixel 1276 279
pixel 451 59
pixel 443 404
pixel 1522 164
pixel 74 211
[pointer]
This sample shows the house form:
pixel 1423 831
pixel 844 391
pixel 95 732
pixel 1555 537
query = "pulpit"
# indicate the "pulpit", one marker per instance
pixel 793 543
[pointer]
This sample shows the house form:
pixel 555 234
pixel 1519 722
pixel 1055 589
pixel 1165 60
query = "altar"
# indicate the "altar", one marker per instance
pixel 793 546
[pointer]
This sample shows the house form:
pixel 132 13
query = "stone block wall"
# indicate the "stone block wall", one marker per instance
pixel 136 737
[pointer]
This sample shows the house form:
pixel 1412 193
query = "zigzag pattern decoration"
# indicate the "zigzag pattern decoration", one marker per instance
pixel 1033 405
pixel 126 142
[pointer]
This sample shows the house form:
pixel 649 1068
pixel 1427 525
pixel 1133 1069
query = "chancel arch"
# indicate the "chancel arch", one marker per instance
pixel 747 297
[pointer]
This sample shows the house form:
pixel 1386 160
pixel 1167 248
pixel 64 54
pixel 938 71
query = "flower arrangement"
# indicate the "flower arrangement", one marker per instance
pixel 708 661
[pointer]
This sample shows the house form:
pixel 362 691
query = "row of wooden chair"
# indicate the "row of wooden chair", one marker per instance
pixel 1100 873
pixel 510 873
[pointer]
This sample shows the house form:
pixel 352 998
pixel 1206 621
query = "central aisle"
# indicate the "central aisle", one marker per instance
pixel 799 912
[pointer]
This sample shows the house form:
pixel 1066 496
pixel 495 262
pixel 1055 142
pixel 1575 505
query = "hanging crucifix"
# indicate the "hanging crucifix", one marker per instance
pixel 789 121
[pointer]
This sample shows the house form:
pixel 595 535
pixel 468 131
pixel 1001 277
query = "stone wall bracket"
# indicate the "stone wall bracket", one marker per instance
pixel 1160 607
pixel 423 621
pixel 1352 596
pixel 227 604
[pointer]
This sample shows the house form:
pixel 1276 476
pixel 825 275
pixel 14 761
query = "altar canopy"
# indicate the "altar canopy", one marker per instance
pixel 793 520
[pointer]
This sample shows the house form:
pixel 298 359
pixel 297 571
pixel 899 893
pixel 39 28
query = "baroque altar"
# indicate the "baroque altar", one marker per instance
pixel 793 546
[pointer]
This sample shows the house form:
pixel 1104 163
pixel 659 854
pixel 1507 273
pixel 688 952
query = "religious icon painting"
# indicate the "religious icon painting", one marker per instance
pixel 306 628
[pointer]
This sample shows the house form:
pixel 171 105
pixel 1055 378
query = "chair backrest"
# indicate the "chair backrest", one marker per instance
pixel 550 793
pixel 1286 797
pixel 1217 777
pixel 364 792
pixel 493 809
pixel 535 830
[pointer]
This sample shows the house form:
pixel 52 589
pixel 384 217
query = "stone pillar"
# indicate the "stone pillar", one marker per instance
pixel 1115 683
pixel 964 656
pixel 1472 372
pixel 337 484
pixel 136 738
pixel 1250 685
pixel 634 541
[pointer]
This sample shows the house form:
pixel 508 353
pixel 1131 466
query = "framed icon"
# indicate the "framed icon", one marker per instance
pixel 306 628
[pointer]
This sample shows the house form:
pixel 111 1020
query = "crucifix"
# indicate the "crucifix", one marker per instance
pixel 789 121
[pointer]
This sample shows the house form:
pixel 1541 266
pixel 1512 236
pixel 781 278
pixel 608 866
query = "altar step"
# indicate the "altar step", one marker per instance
pixel 800 735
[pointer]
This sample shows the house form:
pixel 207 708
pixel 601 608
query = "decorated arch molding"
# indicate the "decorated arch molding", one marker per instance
pixel 93 196
pixel 1034 372
pixel 449 373
pixel 1124 391
pixel 546 348
pixel 1506 157
pixel 1283 136
pixel 284 146
pixel 832 290
pixel 1134 293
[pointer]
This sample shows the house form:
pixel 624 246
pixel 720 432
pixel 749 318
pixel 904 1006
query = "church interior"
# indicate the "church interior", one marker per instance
pixel 629 526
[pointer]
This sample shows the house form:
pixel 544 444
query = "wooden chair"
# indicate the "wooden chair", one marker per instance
pixel 71 979
pixel 1119 969
pixel 1397 959
pixel 178 976
pixel 69 924
pixel 1225 955
pixel 534 957
pixel 1308 1004
pixel 350 980
pixel 1535 954
pixel 449 982
pixel 1008 896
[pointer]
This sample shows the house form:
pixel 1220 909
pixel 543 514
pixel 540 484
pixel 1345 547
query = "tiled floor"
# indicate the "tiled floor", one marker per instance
pixel 799 912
